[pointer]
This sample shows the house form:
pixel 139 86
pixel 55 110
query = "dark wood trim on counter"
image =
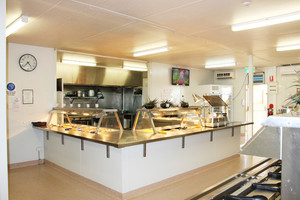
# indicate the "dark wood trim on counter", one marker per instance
pixel 128 139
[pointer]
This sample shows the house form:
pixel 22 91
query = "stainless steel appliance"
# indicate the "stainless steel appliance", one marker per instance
pixel 280 138
pixel 260 182
pixel 216 114
pixel 224 91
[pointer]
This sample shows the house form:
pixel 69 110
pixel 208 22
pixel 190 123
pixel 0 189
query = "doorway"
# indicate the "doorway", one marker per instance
pixel 260 105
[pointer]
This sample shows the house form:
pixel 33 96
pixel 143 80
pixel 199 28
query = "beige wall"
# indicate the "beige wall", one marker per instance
pixel 160 87
pixel 283 88
pixel 3 138
pixel 239 93
pixel 23 139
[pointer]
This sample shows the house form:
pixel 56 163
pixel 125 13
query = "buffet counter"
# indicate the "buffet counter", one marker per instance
pixel 126 162
pixel 111 137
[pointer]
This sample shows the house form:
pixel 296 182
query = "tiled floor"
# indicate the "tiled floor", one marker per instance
pixel 42 182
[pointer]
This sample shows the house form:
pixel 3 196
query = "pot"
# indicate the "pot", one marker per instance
pixel 91 93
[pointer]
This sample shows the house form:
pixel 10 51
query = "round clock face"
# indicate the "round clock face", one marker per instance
pixel 27 62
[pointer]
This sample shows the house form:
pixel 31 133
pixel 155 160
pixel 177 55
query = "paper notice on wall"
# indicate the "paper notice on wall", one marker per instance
pixel 14 102
pixel 272 89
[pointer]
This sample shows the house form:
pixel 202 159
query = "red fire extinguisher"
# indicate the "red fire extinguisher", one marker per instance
pixel 270 109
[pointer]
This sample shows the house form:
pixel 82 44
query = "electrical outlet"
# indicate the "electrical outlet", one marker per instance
pixel 38 148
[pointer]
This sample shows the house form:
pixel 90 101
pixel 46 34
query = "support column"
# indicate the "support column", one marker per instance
pixel 250 100
pixel 3 129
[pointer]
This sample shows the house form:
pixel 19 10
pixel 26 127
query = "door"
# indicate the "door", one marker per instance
pixel 260 105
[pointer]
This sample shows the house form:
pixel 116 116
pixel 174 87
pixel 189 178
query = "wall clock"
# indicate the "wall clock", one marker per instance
pixel 27 62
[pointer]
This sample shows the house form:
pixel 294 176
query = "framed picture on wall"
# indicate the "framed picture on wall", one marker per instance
pixel 27 96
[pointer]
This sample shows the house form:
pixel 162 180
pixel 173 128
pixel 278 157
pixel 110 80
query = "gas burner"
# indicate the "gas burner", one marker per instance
pixel 259 182
pixel 268 187
pixel 256 197
pixel 275 175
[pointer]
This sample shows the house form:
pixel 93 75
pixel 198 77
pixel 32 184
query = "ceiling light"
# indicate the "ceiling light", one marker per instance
pixel 135 66
pixel 229 64
pixel 266 21
pixel 151 51
pixel 81 63
pixel 16 25
pixel 287 48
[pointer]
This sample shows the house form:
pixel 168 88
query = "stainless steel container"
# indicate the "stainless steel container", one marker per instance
pixel 91 93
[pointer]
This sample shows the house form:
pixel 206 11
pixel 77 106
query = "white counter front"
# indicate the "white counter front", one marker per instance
pixel 133 167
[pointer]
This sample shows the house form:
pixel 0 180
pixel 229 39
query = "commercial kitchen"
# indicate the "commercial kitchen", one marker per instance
pixel 150 99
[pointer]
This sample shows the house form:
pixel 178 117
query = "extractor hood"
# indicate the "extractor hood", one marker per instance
pixel 107 72
pixel 280 138
pixel 267 142
pixel 98 76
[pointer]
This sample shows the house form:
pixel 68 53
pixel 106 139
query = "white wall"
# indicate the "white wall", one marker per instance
pixel 239 91
pixel 271 71
pixel 278 100
pixel 23 139
pixel 3 131
pixel 160 87
pixel 284 87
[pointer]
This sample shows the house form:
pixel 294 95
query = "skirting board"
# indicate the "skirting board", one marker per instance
pixel 26 164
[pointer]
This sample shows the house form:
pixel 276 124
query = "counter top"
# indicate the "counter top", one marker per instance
pixel 290 120
pixel 111 138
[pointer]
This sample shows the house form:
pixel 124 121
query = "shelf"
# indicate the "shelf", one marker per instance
pixel 73 98
pixel 82 97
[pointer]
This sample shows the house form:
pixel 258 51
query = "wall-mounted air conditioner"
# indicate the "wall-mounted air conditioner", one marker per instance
pixel 224 75
pixel 288 70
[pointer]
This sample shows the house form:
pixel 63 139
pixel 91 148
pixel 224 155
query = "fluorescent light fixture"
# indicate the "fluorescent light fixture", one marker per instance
pixel 267 21
pixel 135 66
pixel 16 25
pixel 228 64
pixel 81 63
pixel 151 51
pixel 287 48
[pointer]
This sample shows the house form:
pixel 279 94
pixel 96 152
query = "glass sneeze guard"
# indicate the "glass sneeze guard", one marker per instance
pixel 160 120
pixel 94 121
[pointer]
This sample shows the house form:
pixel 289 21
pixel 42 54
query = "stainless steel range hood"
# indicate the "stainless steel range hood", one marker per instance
pixel 265 143
pixel 99 76
pixel 280 138
pixel 109 70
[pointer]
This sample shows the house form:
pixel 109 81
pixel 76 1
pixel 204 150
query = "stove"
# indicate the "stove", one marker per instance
pixel 259 182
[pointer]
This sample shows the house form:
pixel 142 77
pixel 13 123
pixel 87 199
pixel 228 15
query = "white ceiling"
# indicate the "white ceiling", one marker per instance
pixel 197 31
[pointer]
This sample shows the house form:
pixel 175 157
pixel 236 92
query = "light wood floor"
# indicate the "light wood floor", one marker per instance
pixel 42 182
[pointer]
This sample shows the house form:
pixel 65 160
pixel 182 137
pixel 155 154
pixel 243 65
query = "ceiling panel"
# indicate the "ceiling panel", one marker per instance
pixel 280 58
pixel 195 30
pixel 139 8
pixel 196 17
pixel 31 8
pixel 271 33
pixel 140 36
pixel 260 9
pixel 67 24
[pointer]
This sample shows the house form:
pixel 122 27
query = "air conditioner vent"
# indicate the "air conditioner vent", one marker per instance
pixel 288 70
pixel 225 75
